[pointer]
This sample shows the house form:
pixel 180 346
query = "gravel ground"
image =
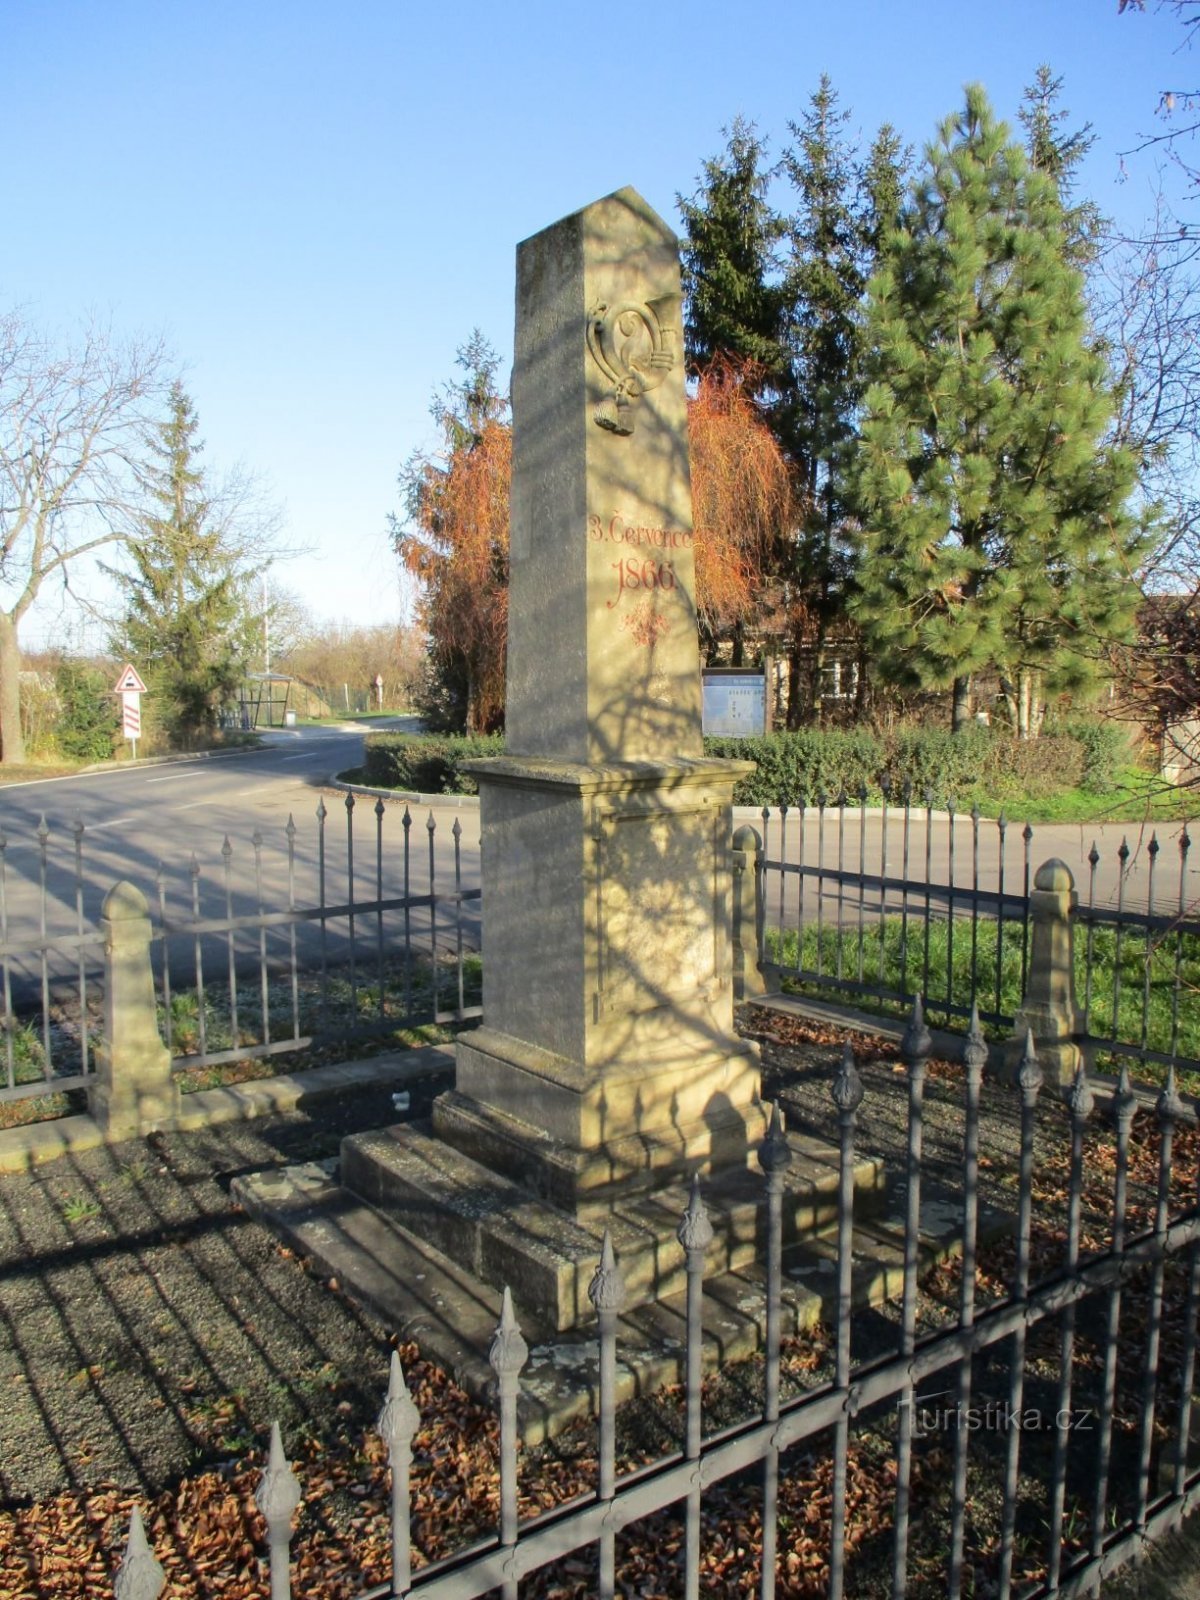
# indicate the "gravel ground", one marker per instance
pixel 148 1331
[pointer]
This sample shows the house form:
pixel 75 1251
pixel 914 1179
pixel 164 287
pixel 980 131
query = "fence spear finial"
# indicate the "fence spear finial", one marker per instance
pixel 139 1577
pixel 1170 1107
pixel 695 1231
pixel 1029 1073
pixel 847 1087
pixel 607 1288
pixel 1081 1099
pixel 917 1043
pixel 278 1493
pixel 975 1052
pixel 399 1418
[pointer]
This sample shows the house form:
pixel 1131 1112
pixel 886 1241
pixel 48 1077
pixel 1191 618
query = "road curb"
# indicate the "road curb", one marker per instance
pixel 409 796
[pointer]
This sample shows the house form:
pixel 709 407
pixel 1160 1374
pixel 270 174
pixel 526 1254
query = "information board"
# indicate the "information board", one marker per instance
pixel 734 704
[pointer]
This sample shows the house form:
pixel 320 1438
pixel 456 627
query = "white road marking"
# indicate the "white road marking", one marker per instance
pixel 116 822
pixel 302 757
pixel 176 777
pixel 196 803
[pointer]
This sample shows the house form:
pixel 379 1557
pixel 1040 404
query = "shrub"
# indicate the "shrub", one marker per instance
pixel 87 714
pixel 795 767
pixel 936 765
pixel 1104 746
pixel 936 762
pixel 428 764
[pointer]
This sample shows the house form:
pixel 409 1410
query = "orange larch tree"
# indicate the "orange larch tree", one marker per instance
pixel 743 503
pixel 454 539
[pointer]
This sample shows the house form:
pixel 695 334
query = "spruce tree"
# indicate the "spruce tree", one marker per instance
pixel 1058 153
pixel 184 625
pixel 995 535
pixel 733 299
pixel 823 287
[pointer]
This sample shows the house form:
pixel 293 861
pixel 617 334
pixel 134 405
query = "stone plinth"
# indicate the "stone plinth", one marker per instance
pixel 608 1058
pixel 134 1091
pixel 1048 1010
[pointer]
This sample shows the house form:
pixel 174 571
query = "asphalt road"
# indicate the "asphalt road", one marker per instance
pixel 185 834
pixel 996 860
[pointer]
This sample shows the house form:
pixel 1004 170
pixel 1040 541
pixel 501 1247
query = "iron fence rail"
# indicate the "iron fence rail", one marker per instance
pixel 253 962
pixel 1084 1517
pixel 840 917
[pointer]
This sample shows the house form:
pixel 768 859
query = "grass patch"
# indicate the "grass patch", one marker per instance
pixel 1142 990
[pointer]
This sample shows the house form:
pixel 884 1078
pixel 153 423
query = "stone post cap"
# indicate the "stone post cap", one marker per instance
pixel 123 902
pixel 1055 875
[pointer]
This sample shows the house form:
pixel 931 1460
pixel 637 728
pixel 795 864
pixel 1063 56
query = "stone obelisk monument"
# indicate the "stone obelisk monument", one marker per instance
pixel 607 1064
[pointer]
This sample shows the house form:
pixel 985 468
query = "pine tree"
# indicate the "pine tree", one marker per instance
pixel 995 533
pixel 733 299
pixel 184 623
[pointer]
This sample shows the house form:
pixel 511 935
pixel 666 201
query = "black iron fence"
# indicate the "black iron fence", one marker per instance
pixel 1078 1342
pixel 877 905
pixel 333 933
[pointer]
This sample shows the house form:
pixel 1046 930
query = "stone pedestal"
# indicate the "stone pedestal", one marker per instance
pixel 134 1091
pixel 608 1063
pixel 1048 1010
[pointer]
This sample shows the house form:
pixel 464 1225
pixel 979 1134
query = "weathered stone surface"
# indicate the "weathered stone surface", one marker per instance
pixel 134 1091
pixel 608 1066
pixel 502 1233
pixel 1048 1010
pixel 603 660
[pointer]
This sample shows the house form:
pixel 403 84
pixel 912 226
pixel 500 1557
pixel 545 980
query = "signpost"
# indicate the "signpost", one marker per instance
pixel 130 687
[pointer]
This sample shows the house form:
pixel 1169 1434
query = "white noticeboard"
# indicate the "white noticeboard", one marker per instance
pixel 735 704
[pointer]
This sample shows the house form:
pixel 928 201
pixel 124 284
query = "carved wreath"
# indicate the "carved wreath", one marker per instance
pixel 635 351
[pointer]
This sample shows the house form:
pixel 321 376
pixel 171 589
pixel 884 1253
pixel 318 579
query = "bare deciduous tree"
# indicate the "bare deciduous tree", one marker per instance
pixel 73 427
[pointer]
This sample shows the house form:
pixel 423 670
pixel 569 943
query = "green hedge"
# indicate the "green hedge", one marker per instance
pixel 976 764
pixel 792 766
pixel 427 763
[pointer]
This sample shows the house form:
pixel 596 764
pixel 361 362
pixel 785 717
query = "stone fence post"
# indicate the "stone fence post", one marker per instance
pixel 747 931
pixel 134 1091
pixel 1048 1010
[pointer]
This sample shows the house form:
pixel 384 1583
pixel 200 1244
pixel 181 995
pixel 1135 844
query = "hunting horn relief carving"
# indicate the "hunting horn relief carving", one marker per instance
pixel 635 346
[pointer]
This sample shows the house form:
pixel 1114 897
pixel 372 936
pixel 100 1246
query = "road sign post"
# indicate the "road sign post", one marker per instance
pixel 130 687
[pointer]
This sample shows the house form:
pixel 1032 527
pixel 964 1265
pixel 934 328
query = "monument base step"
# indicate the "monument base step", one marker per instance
pixel 505 1235
pixel 432 1298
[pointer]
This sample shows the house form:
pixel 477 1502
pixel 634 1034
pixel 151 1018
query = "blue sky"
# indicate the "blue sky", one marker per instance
pixel 316 204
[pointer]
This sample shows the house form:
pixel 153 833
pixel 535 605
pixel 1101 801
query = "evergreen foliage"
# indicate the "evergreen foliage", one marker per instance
pixel 841 210
pixel 86 724
pixel 734 301
pixel 185 624
pixel 995 534
pixel 1057 153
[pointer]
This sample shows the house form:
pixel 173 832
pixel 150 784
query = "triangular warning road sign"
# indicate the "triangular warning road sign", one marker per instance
pixel 129 682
